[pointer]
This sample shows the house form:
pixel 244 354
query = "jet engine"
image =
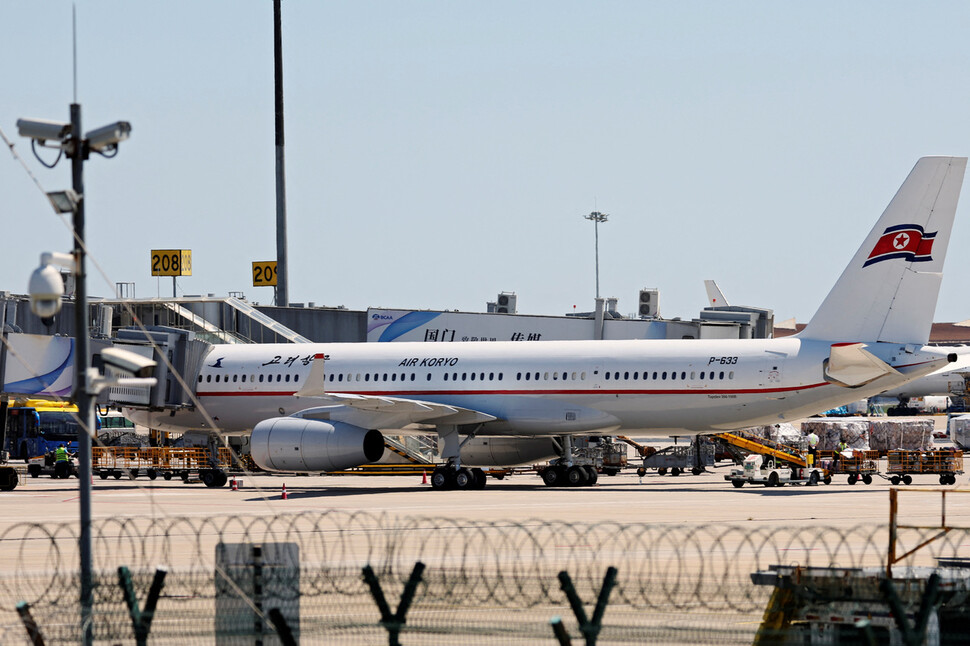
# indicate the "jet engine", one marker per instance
pixel 296 444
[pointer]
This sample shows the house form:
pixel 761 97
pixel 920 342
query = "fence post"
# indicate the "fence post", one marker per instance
pixel 33 632
pixel 912 635
pixel 141 620
pixel 589 628
pixel 394 622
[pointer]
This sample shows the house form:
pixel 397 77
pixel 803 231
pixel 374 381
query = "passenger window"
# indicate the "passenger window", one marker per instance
pixel 429 376
pixel 527 375
pixel 636 375
pixel 692 375
pixel 626 376
pixel 261 379
pixel 607 376
pixel 278 377
pixel 287 379
pixel 200 379
pixel 464 376
pixel 367 377
pixel 664 376
pixel 446 376
pixel 500 376
pixel 491 376
pixel 731 375
pixel 385 376
pixel 583 375
pixel 683 375
pixel 208 379
pixel 574 376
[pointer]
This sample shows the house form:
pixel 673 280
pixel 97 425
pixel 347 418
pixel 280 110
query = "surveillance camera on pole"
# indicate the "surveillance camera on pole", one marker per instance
pixel 127 363
pixel 43 130
pixel 46 287
pixel 108 137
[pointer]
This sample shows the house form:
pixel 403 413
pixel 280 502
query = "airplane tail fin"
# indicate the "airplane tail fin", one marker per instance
pixel 889 290
pixel 714 295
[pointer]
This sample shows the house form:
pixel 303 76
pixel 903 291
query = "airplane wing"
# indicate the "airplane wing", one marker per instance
pixel 368 411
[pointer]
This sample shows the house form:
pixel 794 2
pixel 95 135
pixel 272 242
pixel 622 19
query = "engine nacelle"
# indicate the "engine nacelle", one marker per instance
pixel 295 444
pixel 507 451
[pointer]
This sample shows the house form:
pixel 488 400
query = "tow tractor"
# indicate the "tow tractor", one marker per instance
pixel 47 465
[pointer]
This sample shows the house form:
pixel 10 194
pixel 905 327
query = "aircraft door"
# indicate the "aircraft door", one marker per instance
pixel 773 370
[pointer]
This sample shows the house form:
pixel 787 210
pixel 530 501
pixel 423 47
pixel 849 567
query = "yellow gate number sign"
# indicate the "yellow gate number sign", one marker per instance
pixel 171 262
pixel 264 274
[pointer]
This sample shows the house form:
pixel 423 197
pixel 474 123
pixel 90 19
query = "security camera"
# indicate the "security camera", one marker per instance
pixel 108 136
pixel 46 288
pixel 43 129
pixel 128 362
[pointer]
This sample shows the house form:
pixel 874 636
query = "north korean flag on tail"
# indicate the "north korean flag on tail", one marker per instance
pixel 905 241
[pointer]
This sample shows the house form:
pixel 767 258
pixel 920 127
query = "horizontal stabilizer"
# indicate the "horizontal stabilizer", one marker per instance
pixel 851 366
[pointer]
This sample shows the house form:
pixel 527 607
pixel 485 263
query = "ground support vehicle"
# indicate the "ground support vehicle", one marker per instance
pixel 9 478
pixel 758 469
pixel 47 465
pixel 857 465
pixel 693 457
pixel 945 463
pixel 167 462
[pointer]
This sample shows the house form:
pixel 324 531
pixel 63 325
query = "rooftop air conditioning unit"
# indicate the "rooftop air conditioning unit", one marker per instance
pixel 649 303
pixel 505 303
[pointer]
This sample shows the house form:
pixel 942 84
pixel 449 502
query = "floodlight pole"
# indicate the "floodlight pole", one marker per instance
pixel 597 217
pixel 84 399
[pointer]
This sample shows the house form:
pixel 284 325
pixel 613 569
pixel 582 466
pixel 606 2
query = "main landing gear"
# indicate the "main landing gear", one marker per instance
pixel 452 477
pixel 566 471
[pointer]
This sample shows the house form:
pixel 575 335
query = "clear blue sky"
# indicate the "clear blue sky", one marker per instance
pixel 441 152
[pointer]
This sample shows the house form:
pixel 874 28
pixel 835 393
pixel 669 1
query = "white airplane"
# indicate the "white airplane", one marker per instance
pixel 319 407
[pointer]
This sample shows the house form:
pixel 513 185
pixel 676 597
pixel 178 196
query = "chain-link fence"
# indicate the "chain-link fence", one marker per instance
pixel 493 581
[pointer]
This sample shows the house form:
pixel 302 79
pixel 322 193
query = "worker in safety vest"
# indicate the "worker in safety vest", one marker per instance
pixel 842 446
pixel 60 454
pixel 812 447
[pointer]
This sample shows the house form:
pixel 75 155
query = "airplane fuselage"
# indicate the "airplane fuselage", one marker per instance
pixel 544 388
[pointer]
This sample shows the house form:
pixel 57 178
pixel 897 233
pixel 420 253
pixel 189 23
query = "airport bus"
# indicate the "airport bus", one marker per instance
pixel 35 426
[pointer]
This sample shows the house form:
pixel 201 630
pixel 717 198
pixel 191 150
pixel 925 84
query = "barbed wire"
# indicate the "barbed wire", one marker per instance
pixel 511 564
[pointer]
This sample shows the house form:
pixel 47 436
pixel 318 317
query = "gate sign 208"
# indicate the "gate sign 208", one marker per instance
pixel 171 262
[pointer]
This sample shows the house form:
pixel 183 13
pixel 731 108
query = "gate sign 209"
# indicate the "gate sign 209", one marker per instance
pixel 171 262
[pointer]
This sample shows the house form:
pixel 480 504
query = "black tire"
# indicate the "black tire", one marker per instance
pixel 895 480
pixel 208 477
pixel 552 477
pixel 152 474
pixel 221 477
pixel 103 474
pixel 641 472
pixel 867 479
pixel 662 471
pixel 116 474
pixel 62 470
pixel 773 479
pixel 167 475
pixel 813 479
pixel 464 479
pixel 853 478
pixel 953 479
pixel 33 470
pixel 576 476
pixel 827 480
pixel 944 479
pixel 439 479
pixel 591 475
pixel 676 471
pixel 480 478
pixel 737 483
pixel 907 479
pixel 697 471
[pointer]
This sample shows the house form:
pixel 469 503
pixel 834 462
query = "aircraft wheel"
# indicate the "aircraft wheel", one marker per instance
pixel 464 479
pixel 480 478
pixel 773 479
pixel 737 483
pixel 853 478
pixel 208 477
pixel 895 480
pixel 907 479
pixel 591 475
pixel 867 479
pixel 439 478
pixel 552 476
pixel 576 476
pixel 221 477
